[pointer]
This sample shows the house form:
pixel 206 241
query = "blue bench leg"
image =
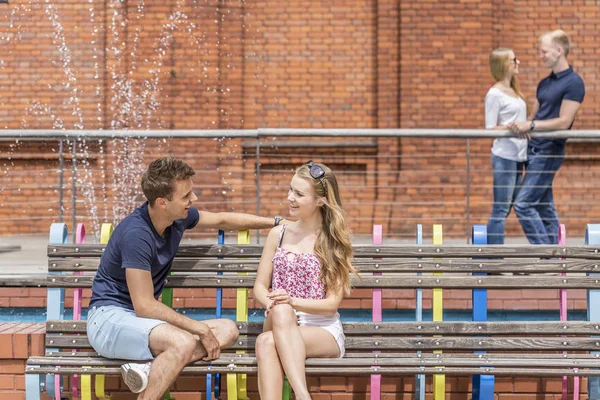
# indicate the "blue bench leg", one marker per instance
pixel 483 385
pixel 208 386
pixel 33 386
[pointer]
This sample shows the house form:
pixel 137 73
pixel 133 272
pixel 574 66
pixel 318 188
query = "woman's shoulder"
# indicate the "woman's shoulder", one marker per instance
pixel 494 91
pixel 276 230
pixel 503 93
pixel 493 94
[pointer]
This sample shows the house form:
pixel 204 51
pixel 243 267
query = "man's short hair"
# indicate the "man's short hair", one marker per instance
pixel 559 38
pixel 161 175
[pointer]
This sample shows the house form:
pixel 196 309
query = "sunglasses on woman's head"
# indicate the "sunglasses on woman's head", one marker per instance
pixel 316 171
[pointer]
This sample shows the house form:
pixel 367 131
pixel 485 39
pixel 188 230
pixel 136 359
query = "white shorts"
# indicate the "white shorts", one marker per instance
pixel 331 324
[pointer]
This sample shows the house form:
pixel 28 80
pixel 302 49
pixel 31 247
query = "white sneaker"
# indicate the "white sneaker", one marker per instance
pixel 136 376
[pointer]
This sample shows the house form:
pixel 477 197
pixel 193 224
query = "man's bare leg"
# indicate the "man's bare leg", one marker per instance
pixel 174 348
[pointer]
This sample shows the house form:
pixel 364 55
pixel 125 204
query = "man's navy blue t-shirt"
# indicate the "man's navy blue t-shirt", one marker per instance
pixel 551 91
pixel 136 244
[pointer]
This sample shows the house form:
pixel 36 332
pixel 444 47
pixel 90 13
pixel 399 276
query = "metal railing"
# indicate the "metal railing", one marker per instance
pixel 71 142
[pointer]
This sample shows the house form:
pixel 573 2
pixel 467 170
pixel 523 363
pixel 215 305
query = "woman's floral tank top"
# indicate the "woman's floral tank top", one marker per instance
pixel 297 274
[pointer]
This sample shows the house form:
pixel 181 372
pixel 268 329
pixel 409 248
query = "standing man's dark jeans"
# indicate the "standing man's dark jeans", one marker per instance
pixel 507 181
pixel 534 204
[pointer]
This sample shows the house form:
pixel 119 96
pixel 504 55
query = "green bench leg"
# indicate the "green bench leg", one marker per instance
pixel 287 390
pixel 167 299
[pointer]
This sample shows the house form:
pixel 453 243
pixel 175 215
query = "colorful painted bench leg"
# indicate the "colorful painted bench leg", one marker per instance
pixel 237 383
pixel 439 380
pixel 106 230
pixel 77 294
pixel 242 316
pixel 562 294
pixel 483 385
pixel 86 387
pixel 377 313
pixel 592 237
pixel 218 314
pixel 33 386
pixel 56 304
pixel 287 390
pixel 419 379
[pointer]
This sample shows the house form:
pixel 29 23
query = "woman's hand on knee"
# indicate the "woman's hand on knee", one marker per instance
pixel 280 296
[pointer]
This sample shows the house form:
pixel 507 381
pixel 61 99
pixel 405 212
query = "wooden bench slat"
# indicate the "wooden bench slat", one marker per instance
pixel 371 251
pixel 31 280
pixel 341 371
pixel 360 360
pixel 363 265
pixel 407 328
pixel 350 355
pixel 405 343
pixel 389 281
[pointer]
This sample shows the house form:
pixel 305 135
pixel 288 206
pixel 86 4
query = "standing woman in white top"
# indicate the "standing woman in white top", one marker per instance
pixel 504 103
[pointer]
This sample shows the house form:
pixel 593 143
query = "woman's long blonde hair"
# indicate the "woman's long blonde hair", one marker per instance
pixel 499 62
pixel 333 247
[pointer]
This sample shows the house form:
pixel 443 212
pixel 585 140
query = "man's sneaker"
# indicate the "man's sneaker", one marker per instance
pixel 136 376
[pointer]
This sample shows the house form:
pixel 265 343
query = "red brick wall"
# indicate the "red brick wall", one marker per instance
pixel 312 64
pixel 18 341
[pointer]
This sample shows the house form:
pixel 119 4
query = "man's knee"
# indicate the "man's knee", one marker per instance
pixel 166 337
pixel 265 345
pixel 228 333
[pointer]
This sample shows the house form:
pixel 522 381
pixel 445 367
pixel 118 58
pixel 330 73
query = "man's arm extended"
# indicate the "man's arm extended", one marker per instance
pixel 233 221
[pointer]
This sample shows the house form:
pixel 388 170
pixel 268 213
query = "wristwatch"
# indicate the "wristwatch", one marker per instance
pixel 532 125
pixel 278 219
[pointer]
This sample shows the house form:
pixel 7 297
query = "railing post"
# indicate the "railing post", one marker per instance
pixel 61 177
pixel 257 184
pixel 74 189
pixel 468 190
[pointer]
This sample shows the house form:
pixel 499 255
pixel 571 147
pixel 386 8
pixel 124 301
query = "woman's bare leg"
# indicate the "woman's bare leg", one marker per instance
pixel 288 336
pixel 270 372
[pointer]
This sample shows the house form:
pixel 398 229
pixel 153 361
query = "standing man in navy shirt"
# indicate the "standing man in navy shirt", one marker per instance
pixel 558 98
pixel 126 320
